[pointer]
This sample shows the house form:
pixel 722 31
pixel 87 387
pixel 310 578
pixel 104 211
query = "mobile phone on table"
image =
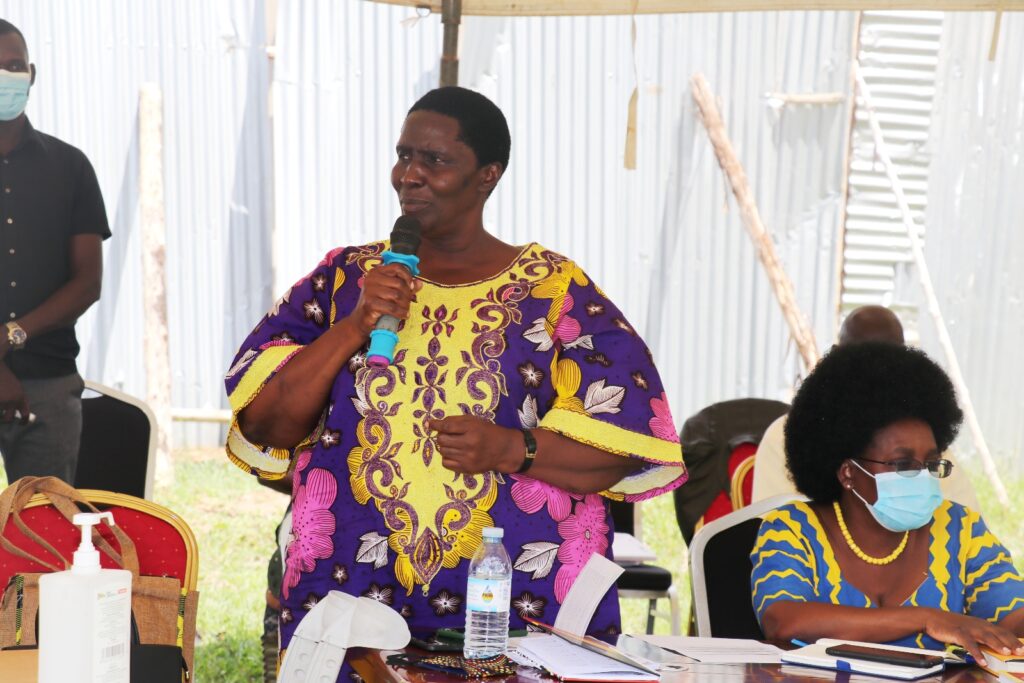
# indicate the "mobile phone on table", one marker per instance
pixel 878 654
pixel 459 634
pixel 429 641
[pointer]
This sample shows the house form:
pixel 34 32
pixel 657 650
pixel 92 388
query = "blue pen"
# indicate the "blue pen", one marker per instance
pixel 798 643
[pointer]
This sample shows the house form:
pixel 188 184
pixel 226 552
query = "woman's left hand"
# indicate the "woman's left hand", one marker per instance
pixel 472 445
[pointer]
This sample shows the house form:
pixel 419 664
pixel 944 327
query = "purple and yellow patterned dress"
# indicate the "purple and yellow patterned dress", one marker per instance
pixel 375 514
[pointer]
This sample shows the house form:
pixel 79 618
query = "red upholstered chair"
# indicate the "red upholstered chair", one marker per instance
pixel 164 542
pixel 719 444
pixel 741 484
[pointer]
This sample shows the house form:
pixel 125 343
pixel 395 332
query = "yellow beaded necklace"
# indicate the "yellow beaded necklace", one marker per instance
pixel 888 559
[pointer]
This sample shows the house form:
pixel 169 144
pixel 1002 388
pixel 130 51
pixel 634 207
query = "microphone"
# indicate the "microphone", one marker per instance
pixel 405 240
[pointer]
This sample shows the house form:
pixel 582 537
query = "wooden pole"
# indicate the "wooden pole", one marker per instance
pixel 451 16
pixel 994 45
pixel 154 257
pixel 781 284
pixel 955 374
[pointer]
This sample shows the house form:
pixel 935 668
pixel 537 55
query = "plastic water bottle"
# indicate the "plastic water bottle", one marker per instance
pixel 487 598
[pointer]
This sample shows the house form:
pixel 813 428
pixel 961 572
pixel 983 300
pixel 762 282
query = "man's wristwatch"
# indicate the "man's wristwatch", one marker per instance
pixel 16 335
pixel 531 451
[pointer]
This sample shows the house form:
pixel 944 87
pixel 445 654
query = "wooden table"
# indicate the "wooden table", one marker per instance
pixel 20 667
pixel 371 665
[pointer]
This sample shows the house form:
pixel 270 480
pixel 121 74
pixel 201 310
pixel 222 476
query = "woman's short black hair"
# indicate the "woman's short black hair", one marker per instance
pixel 853 392
pixel 482 125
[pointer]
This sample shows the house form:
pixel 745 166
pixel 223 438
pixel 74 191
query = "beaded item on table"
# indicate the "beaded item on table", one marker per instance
pixel 457 665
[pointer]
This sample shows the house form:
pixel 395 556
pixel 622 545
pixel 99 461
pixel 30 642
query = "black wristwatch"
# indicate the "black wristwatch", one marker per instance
pixel 531 451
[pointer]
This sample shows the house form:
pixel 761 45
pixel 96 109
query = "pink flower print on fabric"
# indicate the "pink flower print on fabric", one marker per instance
pixel 328 259
pixel 530 495
pixel 585 533
pixel 661 424
pixel 301 463
pixel 312 523
pixel 568 328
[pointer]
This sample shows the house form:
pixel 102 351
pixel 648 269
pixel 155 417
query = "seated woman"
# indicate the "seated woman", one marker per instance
pixel 877 554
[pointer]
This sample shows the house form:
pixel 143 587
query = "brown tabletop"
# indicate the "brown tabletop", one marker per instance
pixel 371 665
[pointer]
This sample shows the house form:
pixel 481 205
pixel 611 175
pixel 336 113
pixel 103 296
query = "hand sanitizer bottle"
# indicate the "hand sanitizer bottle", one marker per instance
pixel 85 617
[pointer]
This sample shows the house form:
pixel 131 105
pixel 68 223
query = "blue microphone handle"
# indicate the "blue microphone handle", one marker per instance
pixel 385 334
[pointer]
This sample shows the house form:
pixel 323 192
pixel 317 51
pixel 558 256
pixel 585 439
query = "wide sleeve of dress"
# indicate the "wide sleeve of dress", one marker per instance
pixel 607 391
pixel 297 319
pixel 783 563
pixel 993 586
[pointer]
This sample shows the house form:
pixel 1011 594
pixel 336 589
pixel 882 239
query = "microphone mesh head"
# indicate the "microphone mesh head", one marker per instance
pixel 405 236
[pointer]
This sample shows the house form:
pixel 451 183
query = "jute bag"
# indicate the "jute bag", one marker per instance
pixel 164 613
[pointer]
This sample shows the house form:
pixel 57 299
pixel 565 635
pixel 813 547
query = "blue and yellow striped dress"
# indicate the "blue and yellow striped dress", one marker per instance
pixel 969 570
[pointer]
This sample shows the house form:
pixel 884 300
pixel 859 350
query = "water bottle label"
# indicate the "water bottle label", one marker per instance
pixel 488 595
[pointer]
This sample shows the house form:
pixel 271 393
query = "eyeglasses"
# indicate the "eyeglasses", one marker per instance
pixel 908 467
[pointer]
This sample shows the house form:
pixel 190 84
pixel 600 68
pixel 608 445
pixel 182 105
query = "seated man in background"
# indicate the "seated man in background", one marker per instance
pixel 878 554
pixel 864 324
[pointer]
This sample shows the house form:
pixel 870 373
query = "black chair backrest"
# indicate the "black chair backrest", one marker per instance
pixel 708 439
pixel 114 451
pixel 727 580
pixel 622 516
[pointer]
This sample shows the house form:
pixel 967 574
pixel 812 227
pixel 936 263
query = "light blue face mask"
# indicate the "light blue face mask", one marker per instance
pixel 14 87
pixel 904 503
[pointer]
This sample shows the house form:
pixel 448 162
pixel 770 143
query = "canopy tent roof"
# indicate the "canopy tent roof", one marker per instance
pixel 598 7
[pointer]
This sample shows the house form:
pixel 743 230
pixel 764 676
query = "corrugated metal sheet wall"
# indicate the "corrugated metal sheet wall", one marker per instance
pixel 666 240
pixel 898 56
pixel 209 60
pixel 975 246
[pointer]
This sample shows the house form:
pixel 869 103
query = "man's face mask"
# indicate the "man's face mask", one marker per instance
pixel 14 87
pixel 904 503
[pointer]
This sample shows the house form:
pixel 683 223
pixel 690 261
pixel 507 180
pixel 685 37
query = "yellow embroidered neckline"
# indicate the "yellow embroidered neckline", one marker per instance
pixel 888 559
pixel 515 261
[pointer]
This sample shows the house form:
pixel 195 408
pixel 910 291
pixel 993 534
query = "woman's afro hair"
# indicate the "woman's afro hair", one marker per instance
pixel 853 392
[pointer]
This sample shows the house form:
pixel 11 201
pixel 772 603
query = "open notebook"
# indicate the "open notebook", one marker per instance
pixel 579 658
pixel 570 662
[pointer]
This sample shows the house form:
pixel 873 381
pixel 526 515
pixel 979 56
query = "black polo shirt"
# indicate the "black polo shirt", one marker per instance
pixel 48 192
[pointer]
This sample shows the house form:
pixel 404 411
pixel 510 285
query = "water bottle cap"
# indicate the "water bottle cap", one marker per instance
pixel 493 532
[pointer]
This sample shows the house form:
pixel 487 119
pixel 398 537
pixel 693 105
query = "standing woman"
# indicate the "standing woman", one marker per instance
pixel 519 397
pixel 877 554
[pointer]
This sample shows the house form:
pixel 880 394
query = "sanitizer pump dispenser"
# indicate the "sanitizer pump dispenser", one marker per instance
pixel 85 617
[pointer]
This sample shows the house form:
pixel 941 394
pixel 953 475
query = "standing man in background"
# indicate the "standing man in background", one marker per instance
pixel 52 224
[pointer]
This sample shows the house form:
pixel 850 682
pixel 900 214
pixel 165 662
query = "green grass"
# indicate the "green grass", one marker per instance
pixel 1002 520
pixel 234 520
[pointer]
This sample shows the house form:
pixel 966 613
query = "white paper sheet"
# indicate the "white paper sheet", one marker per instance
pixel 628 549
pixel 717 650
pixel 598 575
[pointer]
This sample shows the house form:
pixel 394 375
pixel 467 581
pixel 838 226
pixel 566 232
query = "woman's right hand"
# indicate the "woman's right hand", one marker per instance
pixel 971 633
pixel 387 290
